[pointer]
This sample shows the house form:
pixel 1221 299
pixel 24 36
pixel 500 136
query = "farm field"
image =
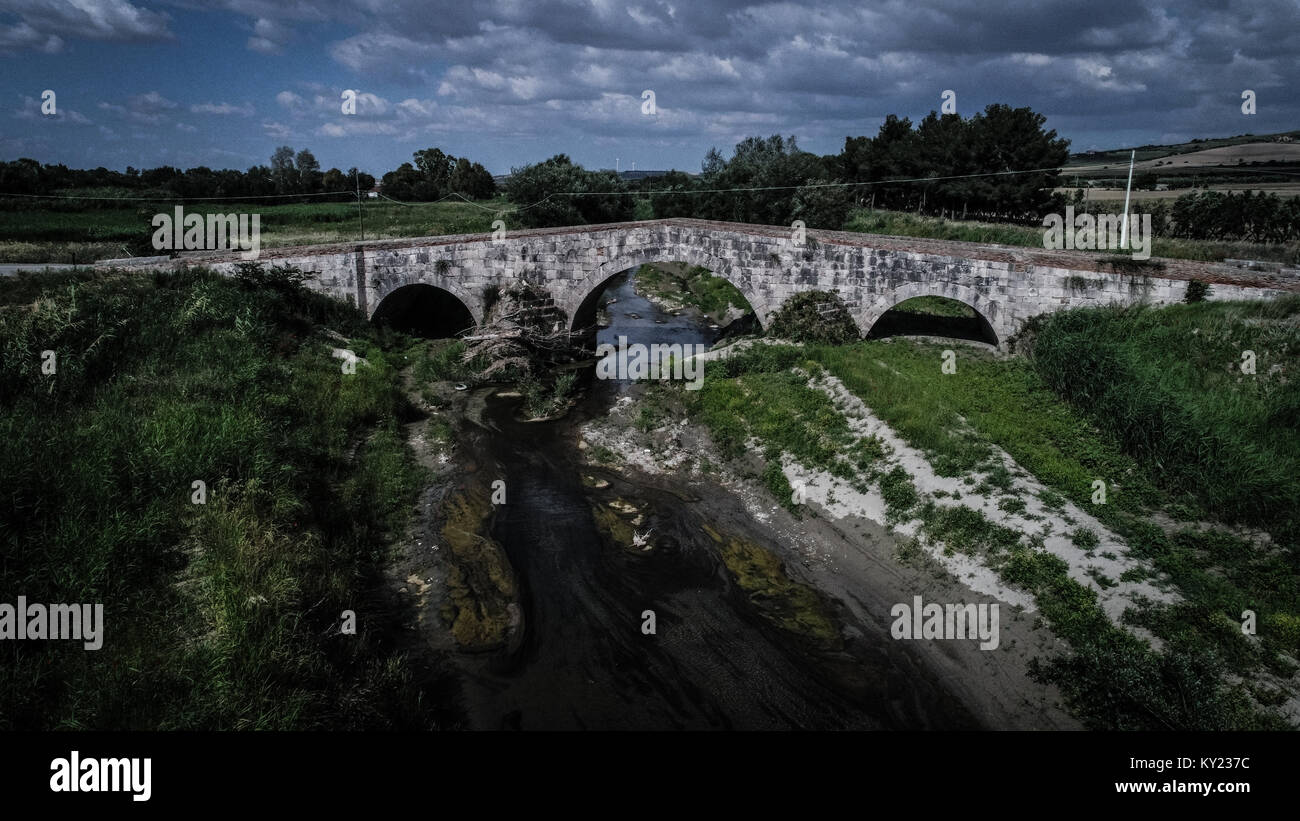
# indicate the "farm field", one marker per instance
pixel 1281 189
pixel 52 235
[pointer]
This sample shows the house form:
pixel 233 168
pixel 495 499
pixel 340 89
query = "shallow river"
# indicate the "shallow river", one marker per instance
pixel 714 661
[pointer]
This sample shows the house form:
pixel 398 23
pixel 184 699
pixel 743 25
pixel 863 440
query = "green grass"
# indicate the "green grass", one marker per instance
pixel 1003 401
pixel 771 402
pixel 692 285
pixel 72 234
pixel 935 306
pixel 440 360
pixel 1068 444
pixel 1167 384
pixel 219 615
pixel 1110 678
pixel 1222 575
pixel 906 224
pixel 1084 538
pixel 54 235
pixel 898 492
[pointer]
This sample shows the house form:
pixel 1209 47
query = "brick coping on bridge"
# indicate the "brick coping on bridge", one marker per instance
pixel 1021 257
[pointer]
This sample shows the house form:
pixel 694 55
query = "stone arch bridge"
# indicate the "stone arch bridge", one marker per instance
pixel 871 273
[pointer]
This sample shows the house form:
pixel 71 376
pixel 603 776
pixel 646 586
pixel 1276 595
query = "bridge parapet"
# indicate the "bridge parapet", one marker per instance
pixel 870 273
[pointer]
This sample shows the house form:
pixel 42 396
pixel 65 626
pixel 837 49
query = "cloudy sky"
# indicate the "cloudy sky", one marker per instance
pixel 508 82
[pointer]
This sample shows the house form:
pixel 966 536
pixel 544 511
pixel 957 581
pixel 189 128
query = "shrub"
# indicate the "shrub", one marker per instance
pixel 1154 379
pixel 282 278
pixel 814 317
pixel 1197 291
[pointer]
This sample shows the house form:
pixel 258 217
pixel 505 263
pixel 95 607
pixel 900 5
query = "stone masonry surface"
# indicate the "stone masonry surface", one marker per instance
pixel 870 273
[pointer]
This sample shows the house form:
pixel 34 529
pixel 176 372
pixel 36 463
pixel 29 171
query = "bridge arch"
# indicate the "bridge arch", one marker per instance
pixel 990 312
pixel 386 282
pixel 594 282
pixel 422 309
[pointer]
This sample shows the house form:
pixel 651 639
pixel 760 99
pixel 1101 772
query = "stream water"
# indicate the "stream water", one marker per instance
pixel 714 660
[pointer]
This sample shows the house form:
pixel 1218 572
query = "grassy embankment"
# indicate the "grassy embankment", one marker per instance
pixel 73 234
pixel 693 285
pixel 935 306
pixel 1147 400
pixel 225 614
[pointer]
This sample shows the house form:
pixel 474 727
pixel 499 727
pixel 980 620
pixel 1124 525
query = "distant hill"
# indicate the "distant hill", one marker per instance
pixel 1252 146
pixel 642 175
pixel 628 176
pixel 1268 163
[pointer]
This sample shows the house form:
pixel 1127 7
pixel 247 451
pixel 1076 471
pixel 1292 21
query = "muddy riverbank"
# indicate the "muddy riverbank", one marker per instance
pixel 574 579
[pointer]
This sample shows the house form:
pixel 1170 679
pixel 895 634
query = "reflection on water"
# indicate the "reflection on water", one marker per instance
pixel 640 321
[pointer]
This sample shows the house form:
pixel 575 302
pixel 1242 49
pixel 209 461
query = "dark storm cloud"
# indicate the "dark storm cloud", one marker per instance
pixel 1112 63
pixel 535 74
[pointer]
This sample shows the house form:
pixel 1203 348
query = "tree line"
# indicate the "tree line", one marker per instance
pixel 947 166
pixel 436 175
pixel 289 173
pixel 1245 216
pixel 1216 215
pixel 776 182
pixel 999 164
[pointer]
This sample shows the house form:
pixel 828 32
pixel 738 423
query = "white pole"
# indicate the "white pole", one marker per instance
pixel 1123 231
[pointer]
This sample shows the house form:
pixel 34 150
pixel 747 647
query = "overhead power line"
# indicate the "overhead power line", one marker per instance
pixel 457 194
pixel 633 193
pixel 175 199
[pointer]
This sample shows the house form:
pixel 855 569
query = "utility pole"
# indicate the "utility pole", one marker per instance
pixel 1123 230
pixel 360 217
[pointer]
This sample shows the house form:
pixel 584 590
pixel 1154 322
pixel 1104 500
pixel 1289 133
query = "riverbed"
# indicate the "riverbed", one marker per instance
pixel 647 602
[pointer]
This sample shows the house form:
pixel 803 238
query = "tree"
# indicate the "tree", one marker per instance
pixel 713 163
pixel 259 181
pixel 309 176
pixel 333 180
pixel 159 177
pixel 893 156
pixel 999 139
pixel 360 179
pixel 1013 139
pixel 822 206
pixel 666 205
pixel 436 168
pixel 472 180
pixel 814 317
pixel 195 182
pixel 405 183
pixel 283 172
pixel 943 149
pixel 761 181
pixel 561 193
pixel 23 176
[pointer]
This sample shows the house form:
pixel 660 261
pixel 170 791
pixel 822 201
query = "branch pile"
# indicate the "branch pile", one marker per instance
pixel 523 333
